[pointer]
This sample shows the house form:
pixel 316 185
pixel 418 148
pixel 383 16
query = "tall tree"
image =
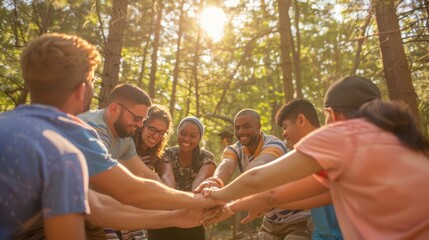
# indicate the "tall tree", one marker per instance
pixel 196 63
pixel 147 44
pixel 113 49
pixel 296 50
pixel 156 42
pixel 285 47
pixel 360 42
pixel 177 59
pixel 395 63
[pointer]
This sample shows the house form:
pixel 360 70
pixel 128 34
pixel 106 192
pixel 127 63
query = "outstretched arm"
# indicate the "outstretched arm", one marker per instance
pixel 128 189
pixel 284 194
pixel 107 212
pixel 165 171
pixel 205 172
pixel 312 202
pixel 222 173
pixel 260 160
pixel 139 168
pixel 292 166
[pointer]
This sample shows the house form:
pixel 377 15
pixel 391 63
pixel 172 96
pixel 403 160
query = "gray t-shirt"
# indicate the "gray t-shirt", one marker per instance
pixel 119 148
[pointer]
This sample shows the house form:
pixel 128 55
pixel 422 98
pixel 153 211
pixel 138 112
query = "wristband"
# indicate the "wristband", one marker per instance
pixel 218 180
pixel 227 206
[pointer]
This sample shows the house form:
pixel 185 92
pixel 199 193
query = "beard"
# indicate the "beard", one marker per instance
pixel 121 129
pixel 252 141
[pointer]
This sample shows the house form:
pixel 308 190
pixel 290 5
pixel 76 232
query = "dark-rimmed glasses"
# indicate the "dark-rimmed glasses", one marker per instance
pixel 154 130
pixel 136 118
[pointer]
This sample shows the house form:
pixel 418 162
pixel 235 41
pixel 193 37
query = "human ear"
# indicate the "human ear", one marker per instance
pixel 300 120
pixel 80 91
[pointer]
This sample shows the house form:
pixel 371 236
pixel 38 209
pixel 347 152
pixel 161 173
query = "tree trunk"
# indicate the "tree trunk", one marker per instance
pixel 196 63
pixel 156 40
pixel 43 15
pixel 146 47
pixel 296 53
pixel 113 49
pixel 285 47
pixel 360 43
pixel 177 62
pixel 395 63
pixel 426 6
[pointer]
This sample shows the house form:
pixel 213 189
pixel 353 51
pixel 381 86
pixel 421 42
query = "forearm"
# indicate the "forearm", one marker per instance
pixel 152 175
pixel 289 167
pixel 107 212
pixel 168 180
pixel 312 202
pixel 297 190
pixel 139 168
pixel 261 160
pixel 205 172
pixel 141 219
pixel 225 170
pixel 301 189
pixel 158 196
pixel 144 193
pixel 260 201
pixel 167 174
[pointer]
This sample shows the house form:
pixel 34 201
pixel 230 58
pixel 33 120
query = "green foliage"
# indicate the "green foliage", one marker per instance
pixel 240 71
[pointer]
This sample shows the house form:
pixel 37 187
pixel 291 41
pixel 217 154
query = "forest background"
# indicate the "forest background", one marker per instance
pixel 270 52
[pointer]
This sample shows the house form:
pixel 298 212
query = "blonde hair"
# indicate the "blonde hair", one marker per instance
pixel 54 64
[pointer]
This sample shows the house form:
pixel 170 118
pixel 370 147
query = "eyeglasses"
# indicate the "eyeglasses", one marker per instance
pixel 136 118
pixel 153 131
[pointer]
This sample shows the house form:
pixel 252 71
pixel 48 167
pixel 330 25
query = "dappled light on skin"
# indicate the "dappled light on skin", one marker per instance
pixel 212 20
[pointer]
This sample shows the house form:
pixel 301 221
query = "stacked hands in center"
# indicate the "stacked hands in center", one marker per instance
pixel 224 210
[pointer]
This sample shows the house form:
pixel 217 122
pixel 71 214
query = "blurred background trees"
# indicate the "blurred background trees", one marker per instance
pixel 211 58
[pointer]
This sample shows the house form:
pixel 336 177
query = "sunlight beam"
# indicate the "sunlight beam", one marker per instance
pixel 212 20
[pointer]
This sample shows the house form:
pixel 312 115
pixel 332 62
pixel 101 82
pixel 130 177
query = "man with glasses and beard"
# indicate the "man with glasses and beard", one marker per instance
pixel 126 109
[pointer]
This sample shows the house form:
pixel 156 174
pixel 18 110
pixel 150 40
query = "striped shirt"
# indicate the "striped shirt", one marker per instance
pixel 268 144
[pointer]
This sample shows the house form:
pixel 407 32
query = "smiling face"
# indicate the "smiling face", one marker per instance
pixel 247 129
pixel 188 136
pixel 125 126
pixel 292 132
pixel 152 132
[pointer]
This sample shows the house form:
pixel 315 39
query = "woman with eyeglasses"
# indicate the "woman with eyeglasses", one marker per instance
pixel 151 139
pixel 190 166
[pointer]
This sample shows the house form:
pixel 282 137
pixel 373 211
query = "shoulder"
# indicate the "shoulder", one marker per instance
pixel 273 141
pixel 96 116
pixel 234 147
pixel 171 151
pixel 206 153
pixel 344 129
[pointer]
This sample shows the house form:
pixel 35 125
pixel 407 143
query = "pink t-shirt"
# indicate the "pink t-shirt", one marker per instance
pixel 379 187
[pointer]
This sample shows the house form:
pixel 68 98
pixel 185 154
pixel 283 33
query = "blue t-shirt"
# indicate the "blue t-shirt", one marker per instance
pixel 325 224
pixel 43 168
